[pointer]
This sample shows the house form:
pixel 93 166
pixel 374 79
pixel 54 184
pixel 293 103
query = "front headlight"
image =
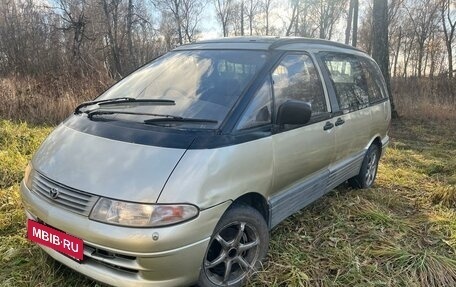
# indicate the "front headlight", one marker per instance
pixel 141 215
pixel 28 175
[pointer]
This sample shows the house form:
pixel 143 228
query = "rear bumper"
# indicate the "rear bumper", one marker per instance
pixel 122 256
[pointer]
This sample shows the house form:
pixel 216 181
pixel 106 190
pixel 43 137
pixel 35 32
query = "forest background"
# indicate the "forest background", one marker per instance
pixel 57 53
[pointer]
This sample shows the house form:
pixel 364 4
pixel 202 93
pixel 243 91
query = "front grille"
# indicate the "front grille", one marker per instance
pixel 115 261
pixel 68 198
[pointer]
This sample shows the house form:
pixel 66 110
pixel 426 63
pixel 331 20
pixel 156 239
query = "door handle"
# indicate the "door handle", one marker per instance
pixel 328 126
pixel 339 122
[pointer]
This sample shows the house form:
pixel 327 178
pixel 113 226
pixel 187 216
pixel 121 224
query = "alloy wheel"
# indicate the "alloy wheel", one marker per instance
pixel 371 168
pixel 232 254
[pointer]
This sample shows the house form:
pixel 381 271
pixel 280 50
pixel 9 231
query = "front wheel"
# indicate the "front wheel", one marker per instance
pixel 239 243
pixel 368 172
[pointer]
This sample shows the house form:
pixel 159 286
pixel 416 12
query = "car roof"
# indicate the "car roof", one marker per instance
pixel 270 43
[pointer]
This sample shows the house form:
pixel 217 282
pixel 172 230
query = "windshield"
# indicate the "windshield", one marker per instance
pixel 204 84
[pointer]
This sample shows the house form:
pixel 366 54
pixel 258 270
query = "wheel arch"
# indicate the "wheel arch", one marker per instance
pixel 377 140
pixel 255 200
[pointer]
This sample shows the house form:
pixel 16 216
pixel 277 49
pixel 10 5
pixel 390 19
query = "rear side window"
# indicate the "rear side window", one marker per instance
pixel 374 81
pixel 296 78
pixel 349 80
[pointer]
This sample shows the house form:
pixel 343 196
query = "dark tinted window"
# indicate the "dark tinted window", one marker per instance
pixel 348 78
pixel 296 78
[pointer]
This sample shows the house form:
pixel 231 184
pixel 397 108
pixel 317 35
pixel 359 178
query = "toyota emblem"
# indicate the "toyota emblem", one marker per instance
pixel 53 192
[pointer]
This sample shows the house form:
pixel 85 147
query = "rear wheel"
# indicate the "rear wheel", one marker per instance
pixel 237 246
pixel 368 172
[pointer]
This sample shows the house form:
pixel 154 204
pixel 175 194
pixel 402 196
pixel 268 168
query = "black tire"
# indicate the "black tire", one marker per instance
pixel 238 245
pixel 368 172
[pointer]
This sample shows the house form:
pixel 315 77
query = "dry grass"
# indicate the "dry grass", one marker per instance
pixel 46 100
pixel 425 99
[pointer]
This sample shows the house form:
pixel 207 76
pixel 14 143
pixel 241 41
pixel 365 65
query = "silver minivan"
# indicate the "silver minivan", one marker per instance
pixel 175 175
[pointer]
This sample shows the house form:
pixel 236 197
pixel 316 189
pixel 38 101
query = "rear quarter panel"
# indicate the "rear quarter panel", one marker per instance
pixel 381 118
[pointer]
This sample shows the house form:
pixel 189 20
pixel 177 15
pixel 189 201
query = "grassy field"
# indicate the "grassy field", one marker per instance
pixel 401 232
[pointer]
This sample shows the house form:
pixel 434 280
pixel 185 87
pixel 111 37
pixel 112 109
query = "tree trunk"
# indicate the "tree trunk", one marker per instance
pixel 129 37
pixel 450 62
pixel 449 35
pixel 113 41
pixel 426 59
pixel 293 19
pixel 179 22
pixel 355 23
pixel 380 43
pixel 251 17
pixel 297 20
pixel 420 57
pixel 225 27
pixel 242 18
pixel 349 22
pixel 396 55
pixel 268 6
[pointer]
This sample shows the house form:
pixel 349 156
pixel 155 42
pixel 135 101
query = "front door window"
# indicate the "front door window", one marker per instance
pixel 296 78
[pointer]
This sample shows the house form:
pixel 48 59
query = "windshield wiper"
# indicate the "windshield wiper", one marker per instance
pixel 123 100
pixel 178 119
pixel 161 118
pixel 90 114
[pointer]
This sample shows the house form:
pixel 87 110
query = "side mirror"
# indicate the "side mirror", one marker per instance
pixel 294 113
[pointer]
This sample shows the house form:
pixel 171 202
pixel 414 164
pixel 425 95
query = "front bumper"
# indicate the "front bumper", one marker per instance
pixel 123 256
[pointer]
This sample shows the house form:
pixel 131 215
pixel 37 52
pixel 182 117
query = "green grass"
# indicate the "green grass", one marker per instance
pixel 401 232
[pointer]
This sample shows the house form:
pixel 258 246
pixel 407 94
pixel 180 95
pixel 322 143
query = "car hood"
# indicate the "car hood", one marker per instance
pixel 106 167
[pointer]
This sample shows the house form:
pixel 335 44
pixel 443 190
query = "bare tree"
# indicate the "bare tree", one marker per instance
pixel 224 11
pixel 365 31
pixel 423 16
pixel 173 7
pixel 397 51
pixel 349 22
pixel 328 12
pixel 111 13
pixel 191 16
pixel 355 23
pixel 409 43
pixel 186 14
pixel 241 17
pixel 78 38
pixel 447 11
pixel 74 21
pixel 129 31
pixel 237 17
pixel 380 51
pixel 267 7
pixel 352 17
pixel 395 31
pixel 252 9
pixel 168 30
pixel 306 18
pixel 294 16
